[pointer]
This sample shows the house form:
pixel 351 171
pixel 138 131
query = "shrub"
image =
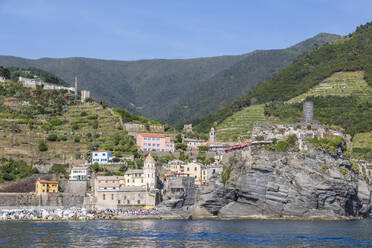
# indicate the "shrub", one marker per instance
pixel 42 146
pixel 344 171
pixel 355 166
pixel 324 168
pixel 260 138
pixel 93 117
pixel 52 137
pixel 226 171
pixel 76 139
pixel 181 146
pixel 59 169
pixel 95 124
pixel 56 122
pixel 83 113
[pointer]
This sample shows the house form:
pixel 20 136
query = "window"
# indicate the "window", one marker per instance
pixel 112 195
pixel 195 169
pixel 145 139
pixel 128 181
pixel 139 202
pixel 128 202
pixel 188 175
pixel 104 197
pixel 196 177
pixel 132 180
pixel 188 169
pixel 141 180
pixel 118 201
pixel 103 154
pixel 157 145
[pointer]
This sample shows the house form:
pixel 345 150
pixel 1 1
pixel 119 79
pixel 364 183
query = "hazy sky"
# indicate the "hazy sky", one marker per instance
pixel 136 29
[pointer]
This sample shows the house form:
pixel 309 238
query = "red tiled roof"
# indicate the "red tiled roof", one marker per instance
pixel 47 182
pixel 152 135
pixel 100 150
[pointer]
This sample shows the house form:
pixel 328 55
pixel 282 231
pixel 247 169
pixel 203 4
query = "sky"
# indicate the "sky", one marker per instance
pixel 171 29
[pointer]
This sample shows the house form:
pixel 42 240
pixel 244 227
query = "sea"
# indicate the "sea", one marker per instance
pixel 186 233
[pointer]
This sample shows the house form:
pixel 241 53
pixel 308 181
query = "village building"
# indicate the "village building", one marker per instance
pixel 33 82
pixel 80 173
pixel 85 94
pixel 195 170
pixel 46 186
pixel 187 128
pixel 136 188
pixel 212 136
pixel 154 142
pixel 2 79
pixel 101 182
pixel 101 157
pixel 134 178
pixel 193 144
pixel 175 166
pixel 212 170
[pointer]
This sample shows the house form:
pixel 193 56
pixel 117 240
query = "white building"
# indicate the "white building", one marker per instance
pixel 2 79
pixel 193 143
pixel 149 172
pixel 85 94
pixel 79 174
pixel 101 157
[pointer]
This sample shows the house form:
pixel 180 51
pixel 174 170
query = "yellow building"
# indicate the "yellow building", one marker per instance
pixel 134 178
pixel 45 186
pixel 194 170
pixel 175 166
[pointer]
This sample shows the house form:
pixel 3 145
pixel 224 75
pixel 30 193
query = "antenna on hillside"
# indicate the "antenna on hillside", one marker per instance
pixel 76 89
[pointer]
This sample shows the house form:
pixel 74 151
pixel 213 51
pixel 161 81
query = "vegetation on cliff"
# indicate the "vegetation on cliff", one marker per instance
pixel 350 53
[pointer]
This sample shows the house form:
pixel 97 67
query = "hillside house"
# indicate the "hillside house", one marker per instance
pixel 101 157
pixel 45 186
pixel 195 170
pixel 80 174
pixel 193 144
pixel 154 142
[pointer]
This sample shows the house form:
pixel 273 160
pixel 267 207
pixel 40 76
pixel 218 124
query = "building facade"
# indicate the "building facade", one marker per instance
pixel 101 157
pixel 193 143
pixel 154 142
pixel 195 170
pixel 45 186
pixel 79 174
pixel 85 94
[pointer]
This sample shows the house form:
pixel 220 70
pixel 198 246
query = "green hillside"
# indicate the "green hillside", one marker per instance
pixel 241 124
pixel 49 129
pixel 351 53
pixel 171 91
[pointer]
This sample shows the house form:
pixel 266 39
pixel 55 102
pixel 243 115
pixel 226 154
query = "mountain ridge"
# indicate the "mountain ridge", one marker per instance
pixel 155 88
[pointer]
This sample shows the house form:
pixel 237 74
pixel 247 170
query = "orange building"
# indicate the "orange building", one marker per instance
pixel 45 186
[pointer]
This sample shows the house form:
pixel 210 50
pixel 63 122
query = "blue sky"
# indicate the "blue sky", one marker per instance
pixel 145 29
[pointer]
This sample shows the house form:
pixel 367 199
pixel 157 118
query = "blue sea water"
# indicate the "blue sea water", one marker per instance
pixel 178 233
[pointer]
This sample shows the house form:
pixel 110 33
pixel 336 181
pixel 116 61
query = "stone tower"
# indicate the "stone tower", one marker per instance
pixel 308 112
pixel 212 136
pixel 149 172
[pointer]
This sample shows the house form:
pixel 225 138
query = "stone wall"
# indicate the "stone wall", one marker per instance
pixel 62 200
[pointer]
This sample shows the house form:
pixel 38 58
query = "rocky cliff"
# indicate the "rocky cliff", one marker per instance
pixel 306 184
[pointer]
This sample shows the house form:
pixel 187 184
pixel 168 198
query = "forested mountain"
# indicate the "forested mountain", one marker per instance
pixel 171 91
pixel 350 53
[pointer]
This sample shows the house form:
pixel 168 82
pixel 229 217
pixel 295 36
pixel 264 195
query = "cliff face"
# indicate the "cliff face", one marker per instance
pixel 301 184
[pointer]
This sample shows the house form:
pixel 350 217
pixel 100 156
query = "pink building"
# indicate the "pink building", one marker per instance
pixel 156 142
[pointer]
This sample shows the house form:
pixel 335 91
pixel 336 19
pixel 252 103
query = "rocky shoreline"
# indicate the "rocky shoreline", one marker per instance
pixel 83 214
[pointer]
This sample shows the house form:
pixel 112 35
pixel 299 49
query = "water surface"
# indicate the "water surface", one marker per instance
pixel 177 233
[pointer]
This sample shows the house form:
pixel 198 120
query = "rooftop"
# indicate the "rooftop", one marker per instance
pixel 134 171
pixel 47 181
pixel 152 135
pixel 149 159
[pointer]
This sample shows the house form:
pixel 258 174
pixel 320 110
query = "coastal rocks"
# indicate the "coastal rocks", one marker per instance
pixel 287 184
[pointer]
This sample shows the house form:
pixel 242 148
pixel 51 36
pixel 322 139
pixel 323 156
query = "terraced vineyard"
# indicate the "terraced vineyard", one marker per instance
pixel 340 84
pixel 241 124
